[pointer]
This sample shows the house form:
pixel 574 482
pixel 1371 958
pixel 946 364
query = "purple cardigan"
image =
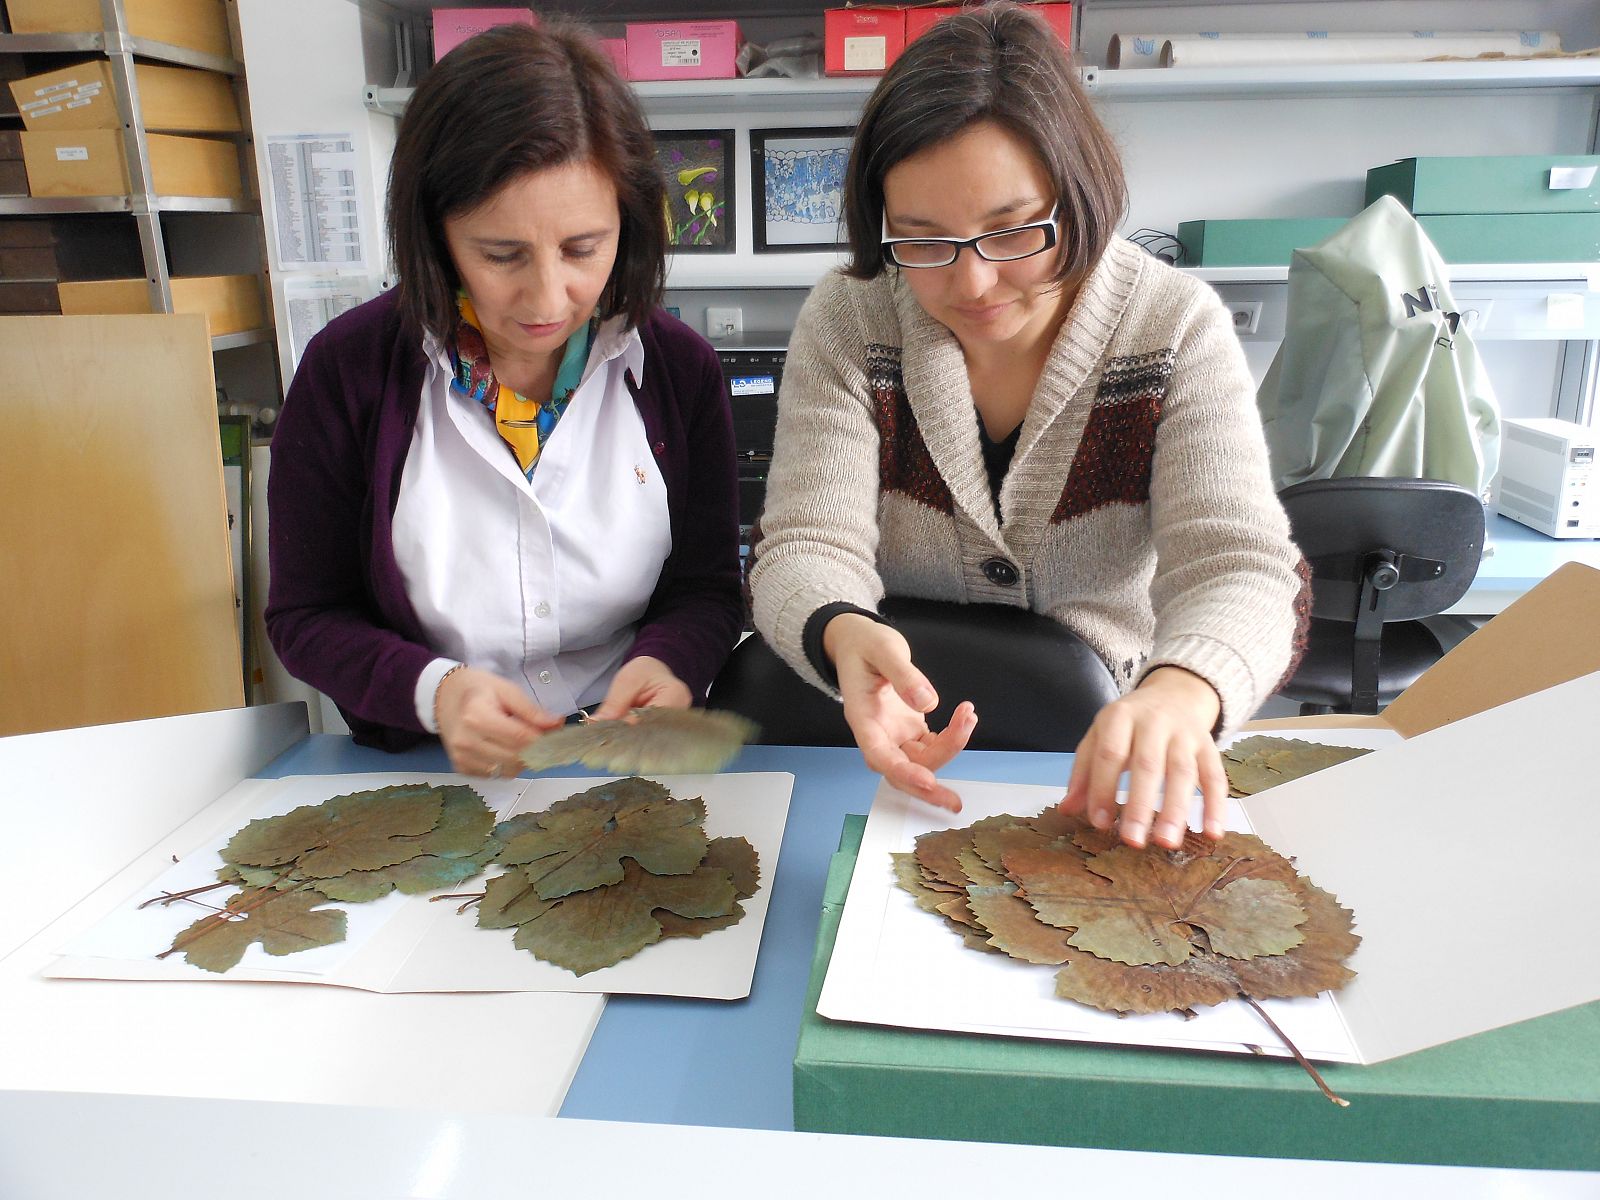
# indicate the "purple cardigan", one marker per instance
pixel 337 610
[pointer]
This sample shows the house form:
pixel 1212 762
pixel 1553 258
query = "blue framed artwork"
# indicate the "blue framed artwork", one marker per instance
pixel 697 165
pixel 797 186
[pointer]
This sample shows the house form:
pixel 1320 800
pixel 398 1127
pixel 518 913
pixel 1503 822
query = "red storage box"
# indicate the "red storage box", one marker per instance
pixel 452 26
pixel 683 49
pixel 862 41
pixel 1057 15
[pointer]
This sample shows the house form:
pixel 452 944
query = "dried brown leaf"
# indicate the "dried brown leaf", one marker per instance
pixel 361 831
pixel 664 741
pixel 737 857
pixel 1316 964
pixel 283 922
pixel 1255 764
pixel 1015 929
pixel 1118 987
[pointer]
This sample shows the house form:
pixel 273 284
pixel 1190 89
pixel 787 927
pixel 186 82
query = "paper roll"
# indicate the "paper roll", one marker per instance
pixel 1238 50
pixel 1129 51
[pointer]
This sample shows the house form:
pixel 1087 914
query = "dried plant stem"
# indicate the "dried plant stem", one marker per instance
pixel 1295 1050
pixel 169 897
pixel 263 896
pixel 470 899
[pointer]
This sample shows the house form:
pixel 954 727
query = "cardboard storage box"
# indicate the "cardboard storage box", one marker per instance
pixel 1264 242
pixel 1056 13
pixel 452 26
pixel 13 178
pixel 1519 1095
pixel 1515 237
pixel 1530 183
pixel 33 263
pixel 617 50
pixel 230 303
pixel 30 299
pixel 862 41
pixel 90 162
pixel 683 50
pixel 193 24
pixel 82 97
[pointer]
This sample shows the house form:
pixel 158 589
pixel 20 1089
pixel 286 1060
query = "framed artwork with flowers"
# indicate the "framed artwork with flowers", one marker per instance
pixel 797 188
pixel 698 167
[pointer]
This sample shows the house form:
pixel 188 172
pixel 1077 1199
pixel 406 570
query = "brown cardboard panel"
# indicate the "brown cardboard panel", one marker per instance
pixel 83 97
pixel 120 605
pixel 196 24
pixel 10 145
pixel 230 303
pixel 29 262
pixel 18 233
pixel 13 179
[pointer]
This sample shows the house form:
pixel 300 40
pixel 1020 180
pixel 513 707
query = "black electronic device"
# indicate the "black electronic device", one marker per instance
pixel 752 366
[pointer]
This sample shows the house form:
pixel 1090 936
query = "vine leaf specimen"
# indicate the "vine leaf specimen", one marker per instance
pixel 283 922
pixel 1135 931
pixel 662 741
pixel 1254 764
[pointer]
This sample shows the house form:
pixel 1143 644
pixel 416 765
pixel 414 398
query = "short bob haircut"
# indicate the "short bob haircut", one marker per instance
pixel 510 100
pixel 997 63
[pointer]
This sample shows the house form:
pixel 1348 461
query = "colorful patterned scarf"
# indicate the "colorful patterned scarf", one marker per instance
pixel 524 424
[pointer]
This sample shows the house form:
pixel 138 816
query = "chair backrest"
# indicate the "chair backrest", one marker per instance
pixel 1430 531
pixel 1036 685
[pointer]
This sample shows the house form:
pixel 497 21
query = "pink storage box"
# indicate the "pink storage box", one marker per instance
pixel 682 49
pixel 617 50
pixel 452 26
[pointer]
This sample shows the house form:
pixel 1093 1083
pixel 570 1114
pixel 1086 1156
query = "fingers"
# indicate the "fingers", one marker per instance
pixel 643 682
pixel 909 764
pixel 934 750
pixel 1214 789
pixel 485 721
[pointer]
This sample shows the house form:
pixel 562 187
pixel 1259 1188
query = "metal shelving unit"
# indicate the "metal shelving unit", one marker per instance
pixel 142 203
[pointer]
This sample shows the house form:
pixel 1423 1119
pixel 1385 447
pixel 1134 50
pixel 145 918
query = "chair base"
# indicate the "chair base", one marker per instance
pixel 1322 681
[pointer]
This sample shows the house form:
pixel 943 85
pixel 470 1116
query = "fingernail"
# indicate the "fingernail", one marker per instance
pixel 1214 829
pixel 1133 832
pixel 922 698
pixel 1100 819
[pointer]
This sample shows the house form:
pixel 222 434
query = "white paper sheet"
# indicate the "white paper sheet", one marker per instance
pixel 894 964
pixel 315 210
pixel 410 944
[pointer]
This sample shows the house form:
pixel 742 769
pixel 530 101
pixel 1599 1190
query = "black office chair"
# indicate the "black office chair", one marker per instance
pixel 1384 553
pixel 1036 685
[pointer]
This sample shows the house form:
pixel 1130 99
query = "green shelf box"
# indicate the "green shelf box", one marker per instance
pixel 1515 183
pixel 1262 242
pixel 1515 237
pixel 1527 1095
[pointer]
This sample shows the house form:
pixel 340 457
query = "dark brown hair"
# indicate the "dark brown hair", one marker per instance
pixel 510 100
pixel 997 63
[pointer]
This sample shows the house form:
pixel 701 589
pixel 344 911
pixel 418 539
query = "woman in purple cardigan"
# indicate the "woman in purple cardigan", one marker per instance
pixel 505 491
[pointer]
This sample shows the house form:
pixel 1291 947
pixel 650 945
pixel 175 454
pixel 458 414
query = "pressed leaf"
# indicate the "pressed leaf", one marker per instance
pixel 910 877
pixel 1316 964
pixel 1254 764
pixel 424 873
pixel 657 740
pixel 465 824
pixel 1015 929
pixel 511 899
pixel 1050 827
pixel 937 852
pixel 578 846
pixel 283 922
pixel 1118 987
pixel 737 857
pixel 1142 911
pixel 598 928
pixel 361 831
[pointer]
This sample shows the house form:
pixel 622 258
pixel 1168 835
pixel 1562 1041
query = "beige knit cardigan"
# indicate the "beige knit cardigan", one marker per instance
pixel 1138 510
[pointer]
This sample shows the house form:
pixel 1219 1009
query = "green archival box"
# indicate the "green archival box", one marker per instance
pixel 1514 183
pixel 1257 242
pixel 1527 1095
pixel 1515 237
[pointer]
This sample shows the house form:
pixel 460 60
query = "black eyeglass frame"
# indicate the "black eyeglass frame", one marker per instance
pixel 1048 224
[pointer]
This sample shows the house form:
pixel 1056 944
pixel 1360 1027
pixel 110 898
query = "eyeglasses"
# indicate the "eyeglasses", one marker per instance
pixel 1001 245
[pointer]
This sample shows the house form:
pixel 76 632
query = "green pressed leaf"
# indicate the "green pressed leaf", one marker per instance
pixel 598 928
pixel 511 899
pixel 1254 764
pixel 424 873
pixel 578 846
pixel 664 741
pixel 283 922
pixel 739 859
pixel 361 831
pixel 465 824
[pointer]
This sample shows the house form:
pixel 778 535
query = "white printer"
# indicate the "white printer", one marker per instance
pixel 1548 479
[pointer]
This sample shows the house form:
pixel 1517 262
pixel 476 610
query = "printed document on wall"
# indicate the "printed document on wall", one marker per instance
pixel 315 202
pixel 313 302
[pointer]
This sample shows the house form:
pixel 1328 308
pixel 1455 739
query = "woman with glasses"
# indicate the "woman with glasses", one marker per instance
pixel 998 400
pixel 506 490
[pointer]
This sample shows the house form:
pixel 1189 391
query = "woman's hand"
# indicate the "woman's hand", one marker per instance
pixel 643 682
pixel 485 721
pixel 885 698
pixel 1160 733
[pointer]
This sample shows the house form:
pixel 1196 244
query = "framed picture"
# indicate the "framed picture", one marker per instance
pixel 698 167
pixel 797 187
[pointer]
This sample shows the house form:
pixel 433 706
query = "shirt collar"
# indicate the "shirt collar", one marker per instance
pixel 612 339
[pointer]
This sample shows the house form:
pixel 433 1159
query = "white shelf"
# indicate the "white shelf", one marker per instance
pixel 677 97
pixel 800 270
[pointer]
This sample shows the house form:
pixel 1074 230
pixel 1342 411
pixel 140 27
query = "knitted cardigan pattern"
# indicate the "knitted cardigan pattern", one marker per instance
pixel 1138 510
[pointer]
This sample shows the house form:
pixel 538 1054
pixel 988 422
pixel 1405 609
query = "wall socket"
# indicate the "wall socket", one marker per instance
pixel 723 322
pixel 1246 315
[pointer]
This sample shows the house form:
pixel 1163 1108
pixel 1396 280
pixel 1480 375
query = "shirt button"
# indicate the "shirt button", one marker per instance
pixel 545 677
pixel 541 609
pixel 999 572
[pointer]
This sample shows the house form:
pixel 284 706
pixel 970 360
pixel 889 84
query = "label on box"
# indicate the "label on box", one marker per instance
pixel 64 86
pixel 1564 310
pixel 72 154
pixel 680 52
pixel 866 53
pixel 1568 178
pixel 46 111
pixel 78 103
